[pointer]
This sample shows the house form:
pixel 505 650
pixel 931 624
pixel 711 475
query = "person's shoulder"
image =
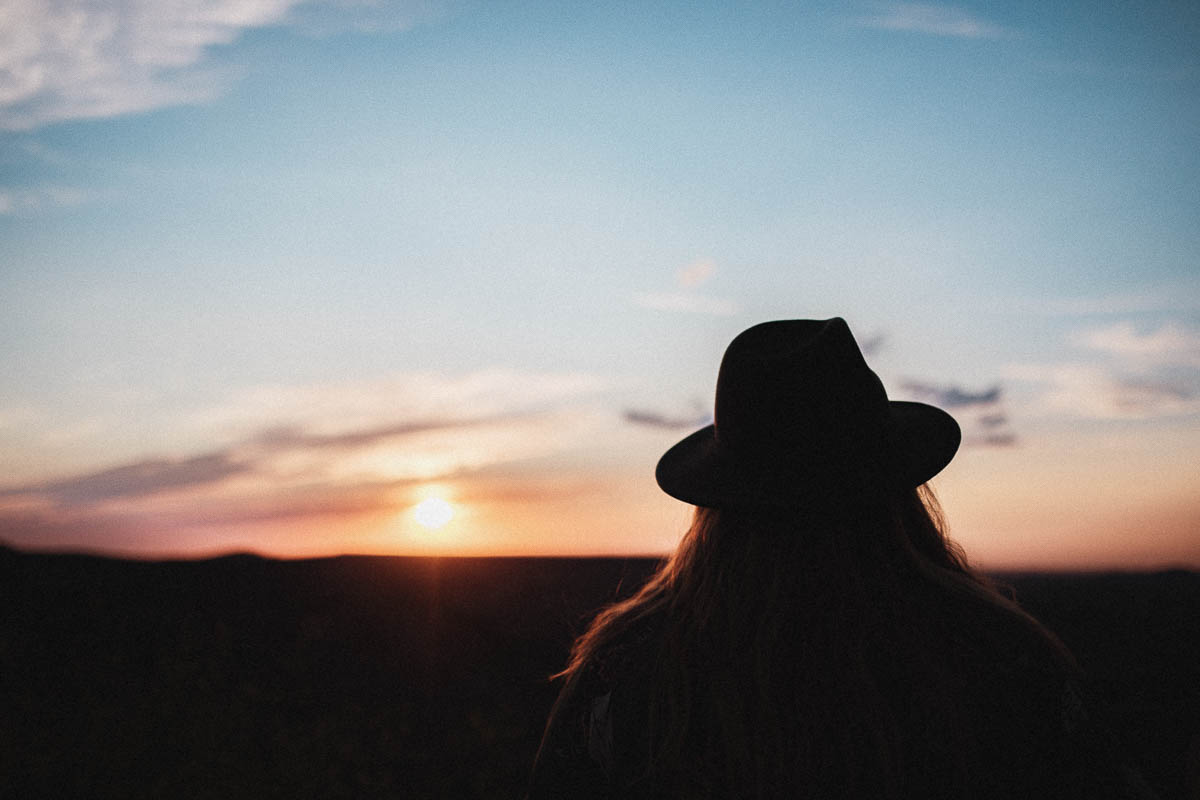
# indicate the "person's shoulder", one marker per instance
pixel 1002 634
pixel 600 712
pixel 628 656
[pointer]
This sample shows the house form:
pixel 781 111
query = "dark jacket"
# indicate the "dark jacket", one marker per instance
pixel 1034 735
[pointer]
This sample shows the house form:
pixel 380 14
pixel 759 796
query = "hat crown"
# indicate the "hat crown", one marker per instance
pixel 798 386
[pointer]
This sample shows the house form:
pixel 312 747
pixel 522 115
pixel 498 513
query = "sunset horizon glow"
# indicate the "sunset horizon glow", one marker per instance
pixel 276 275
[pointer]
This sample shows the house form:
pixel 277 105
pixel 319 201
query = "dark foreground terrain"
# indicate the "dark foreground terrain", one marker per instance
pixel 404 677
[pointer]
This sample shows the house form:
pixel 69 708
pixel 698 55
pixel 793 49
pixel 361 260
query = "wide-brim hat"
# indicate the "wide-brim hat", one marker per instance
pixel 801 420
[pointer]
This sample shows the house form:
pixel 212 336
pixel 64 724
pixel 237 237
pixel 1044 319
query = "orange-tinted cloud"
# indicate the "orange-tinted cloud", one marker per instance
pixel 327 455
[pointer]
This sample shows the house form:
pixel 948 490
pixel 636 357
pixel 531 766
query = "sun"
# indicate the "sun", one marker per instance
pixel 433 513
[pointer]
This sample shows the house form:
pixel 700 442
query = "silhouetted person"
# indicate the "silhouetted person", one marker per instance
pixel 815 634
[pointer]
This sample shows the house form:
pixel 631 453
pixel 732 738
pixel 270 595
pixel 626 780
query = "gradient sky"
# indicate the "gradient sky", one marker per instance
pixel 272 272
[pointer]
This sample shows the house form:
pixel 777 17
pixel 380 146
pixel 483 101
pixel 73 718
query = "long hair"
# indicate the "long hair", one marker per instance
pixel 792 647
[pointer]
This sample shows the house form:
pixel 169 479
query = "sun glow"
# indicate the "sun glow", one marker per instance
pixel 433 513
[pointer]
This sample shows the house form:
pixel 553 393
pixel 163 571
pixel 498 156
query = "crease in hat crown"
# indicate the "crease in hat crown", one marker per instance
pixel 775 388
pixel 799 412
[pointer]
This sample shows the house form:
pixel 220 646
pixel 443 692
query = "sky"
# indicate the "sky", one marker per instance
pixel 274 274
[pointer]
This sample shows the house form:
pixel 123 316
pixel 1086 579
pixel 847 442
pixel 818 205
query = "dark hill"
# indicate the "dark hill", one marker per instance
pixel 408 677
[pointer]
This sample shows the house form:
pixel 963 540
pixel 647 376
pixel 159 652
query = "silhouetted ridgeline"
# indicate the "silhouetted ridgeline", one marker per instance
pixel 408 677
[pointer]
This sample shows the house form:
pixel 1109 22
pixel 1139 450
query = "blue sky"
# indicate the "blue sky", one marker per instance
pixel 223 219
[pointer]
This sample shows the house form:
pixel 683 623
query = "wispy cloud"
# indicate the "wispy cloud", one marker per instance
pixel 872 343
pixel 693 417
pixel 951 396
pixel 996 420
pixel 38 198
pixel 80 59
pixel 1134 372
pixel 337 408
pixel 696 273
pixel 932 19
pixel 138 479
pixel 1170 343
pixel 686 299
pixel 281 460
pixel 992 428
pixel 1091 391
pixel 425 428
pixel 980 412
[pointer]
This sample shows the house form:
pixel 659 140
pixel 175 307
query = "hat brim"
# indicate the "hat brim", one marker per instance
pixel 922 439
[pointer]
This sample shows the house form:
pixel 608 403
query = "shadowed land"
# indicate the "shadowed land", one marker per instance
pixel 416 677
